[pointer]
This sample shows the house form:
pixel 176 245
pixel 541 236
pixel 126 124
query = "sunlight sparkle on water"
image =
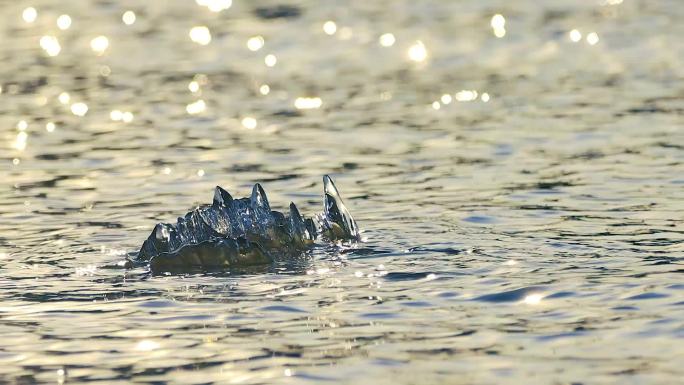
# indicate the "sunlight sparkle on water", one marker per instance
pixel 303 103
pixel 50 45
pixel 533 299
pixel 466 95
pixel 79 109
pixel 64 22
pixel 64 98
pixel 484 97
pixel 387 40
pixel 592 38
pixel 147 345
pixel 436 105
pixel 215 5
pixel 255 43
pixel 498 24
pixel 417 52
pixel 249 123
pixel 193 86
pixel 196 107
pixel 575 35
pixel 264 89
pixel 29 15
pixel 99 44
pixel 123 116
pixel 270 60
pixel 128 17
pixel 50 127
pixel 329 27
pixel 446 99
pixel 22 125
pixel 20 141
pixel 200 35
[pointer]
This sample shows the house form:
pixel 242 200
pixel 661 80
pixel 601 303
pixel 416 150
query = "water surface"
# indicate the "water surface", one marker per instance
pixel 521 196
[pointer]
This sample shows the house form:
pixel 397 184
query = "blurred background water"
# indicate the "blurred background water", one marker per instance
pixel 517 169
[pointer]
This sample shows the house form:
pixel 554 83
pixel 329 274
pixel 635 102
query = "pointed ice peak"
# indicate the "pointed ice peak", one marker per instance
pixel 161 232
pixel 258 198
pixel 336 212
pixel 222 197
pixel 294 212
pixel 329 186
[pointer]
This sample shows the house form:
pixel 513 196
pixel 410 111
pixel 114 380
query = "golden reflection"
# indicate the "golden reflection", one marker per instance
pixel 64 22
pixel 29 15
pixel 50 45
pixel 196 107
pixel 50 127
pixel 249 123
pixel 270 60
pixel 64 98
pixel 99 44
pixel 417 52
pixel 200 35
pixel 329 27
pixel 264 89
pixel 79 109
pixel 303 103
pixel 498 24
pixel 592 38
pixel 128 17
pixel 387 40
pixel 255 43
pixel 575 35
pixel 215 5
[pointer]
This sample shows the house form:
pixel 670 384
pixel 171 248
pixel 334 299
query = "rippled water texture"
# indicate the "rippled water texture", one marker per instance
pixel 521 196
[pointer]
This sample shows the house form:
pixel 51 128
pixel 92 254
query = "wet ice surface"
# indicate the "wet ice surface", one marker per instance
pixel 534 237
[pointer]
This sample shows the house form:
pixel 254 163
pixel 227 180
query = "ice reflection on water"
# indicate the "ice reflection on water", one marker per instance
pixel 517 169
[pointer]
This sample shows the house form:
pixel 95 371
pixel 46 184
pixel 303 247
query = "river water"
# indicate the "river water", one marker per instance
pixel 518 180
